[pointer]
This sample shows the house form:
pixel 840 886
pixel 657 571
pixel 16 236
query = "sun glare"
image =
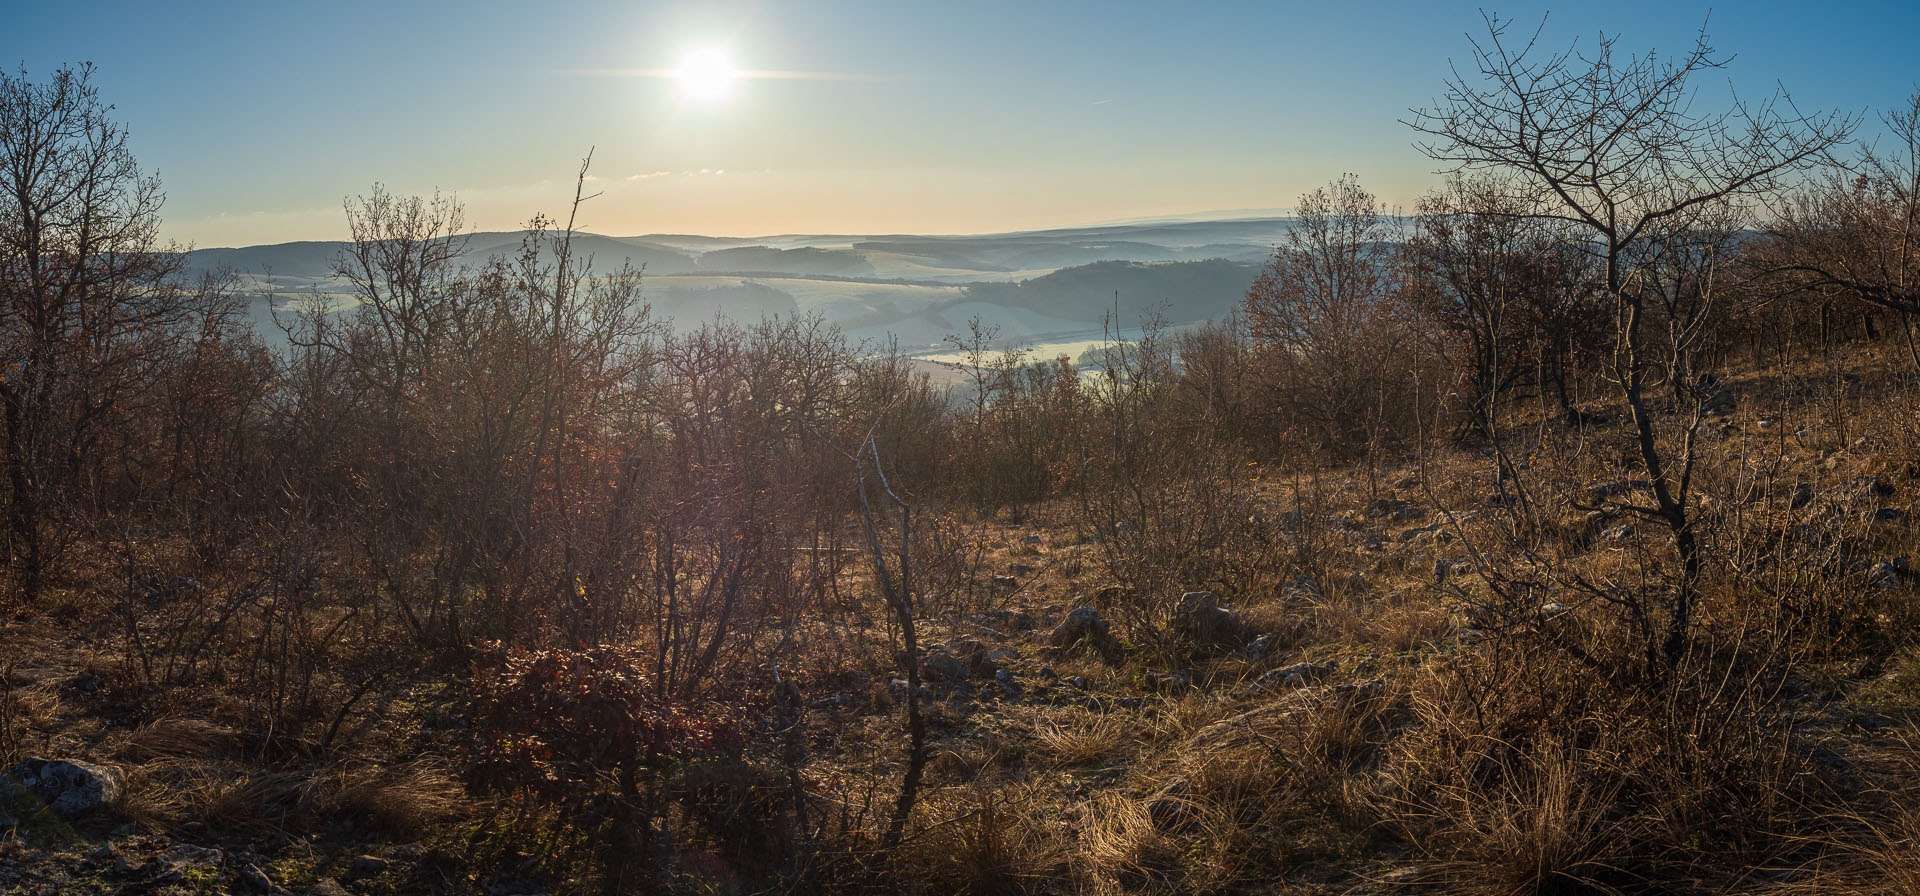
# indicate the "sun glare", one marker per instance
pixel 705 75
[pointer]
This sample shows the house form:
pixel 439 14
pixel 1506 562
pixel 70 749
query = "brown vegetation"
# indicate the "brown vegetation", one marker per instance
pixel 1543 550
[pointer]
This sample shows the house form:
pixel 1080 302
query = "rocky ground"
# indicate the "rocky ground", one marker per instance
pixel 1239 746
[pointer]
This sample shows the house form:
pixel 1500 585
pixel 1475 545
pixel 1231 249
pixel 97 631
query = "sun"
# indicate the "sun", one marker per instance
pixel 705 75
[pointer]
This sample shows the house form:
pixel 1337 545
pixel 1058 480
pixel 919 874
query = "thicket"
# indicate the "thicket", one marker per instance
pixel 625 544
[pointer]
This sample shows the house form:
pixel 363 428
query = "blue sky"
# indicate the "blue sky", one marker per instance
pixel 912 117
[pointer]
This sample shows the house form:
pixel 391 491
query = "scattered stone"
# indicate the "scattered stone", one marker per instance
pixel 1262 647
pixel 1617 487
pixel 251 877
pixel 1618 533
pixel 189 854
pixel 1031 539
pixel 897 689
pixel 1004 620
pixel 1419 532
pixel 1202 622
pixel 1445 568
pixel 328 887
pixel 1718 404
pixel 367 866
pixel 1385 507
pixel 981 662
pixel 1884 575
pixel 69 788
pixel 1871 485
pixel 1083 626
pixel 1006 583
pixel 1551 610
pixel 1078 683
pixel 1294 676
pixel 1766 424
pixel 938 665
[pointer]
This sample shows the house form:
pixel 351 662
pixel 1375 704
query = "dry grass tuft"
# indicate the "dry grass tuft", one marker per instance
pixel 399 801
pixel 180 739
pixel 1082 737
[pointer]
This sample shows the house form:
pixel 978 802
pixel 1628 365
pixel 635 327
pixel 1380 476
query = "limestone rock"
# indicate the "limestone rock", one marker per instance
pixel 1083 626
pixel 70 788
pixel 1202 622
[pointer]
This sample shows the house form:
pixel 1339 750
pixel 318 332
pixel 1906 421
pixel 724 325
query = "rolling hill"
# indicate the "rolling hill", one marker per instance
pixel 1033 285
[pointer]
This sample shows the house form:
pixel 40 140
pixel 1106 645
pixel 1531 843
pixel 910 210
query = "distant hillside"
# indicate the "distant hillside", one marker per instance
pixel 745 301
pixel 1036 284
pixel 303 259
pixel 804 260
pixel 1182 291
pixel 314 259
pixel 607 252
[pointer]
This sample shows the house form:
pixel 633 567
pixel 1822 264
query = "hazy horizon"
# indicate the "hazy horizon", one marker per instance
pixel 833 117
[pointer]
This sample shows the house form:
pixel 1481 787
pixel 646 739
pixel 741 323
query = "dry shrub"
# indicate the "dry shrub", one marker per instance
pixel 1529 772
pixel 1545 825
pixel 400 802
pixel 223 795
pixel 988 839
pixel 1403 623
pixel 1874 847
pixel 175 738
pixel 1123 848
pixel 1252 795
pixel 1181 517
pixel 1084 738
pixel 26 705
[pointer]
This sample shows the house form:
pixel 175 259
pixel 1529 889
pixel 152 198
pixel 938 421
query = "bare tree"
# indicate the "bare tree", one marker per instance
pixel 1615 145
pixel 402 259
pixel 1509 293
pixel 1326 306
pixel 1856 234
pixel 91 303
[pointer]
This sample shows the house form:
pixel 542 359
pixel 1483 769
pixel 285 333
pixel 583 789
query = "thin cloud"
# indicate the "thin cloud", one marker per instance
pixel 758 74
pixel 706 172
